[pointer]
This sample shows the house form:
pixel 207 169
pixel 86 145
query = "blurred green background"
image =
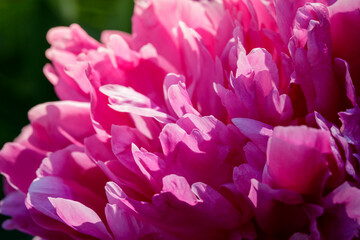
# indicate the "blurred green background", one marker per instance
pixel 23 28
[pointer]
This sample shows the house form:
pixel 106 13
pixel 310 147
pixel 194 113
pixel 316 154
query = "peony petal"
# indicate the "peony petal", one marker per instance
pixel 13 206
pixel 177 96
pixel 196 57
pixel 341 210
pixel 58 124
pixel 296 159
pixel 351 127
pixel 256 131
pixel 344 18
pixel 126 100
pixel 54 187
pixel 130 227
pixel 72 163
pixel 275 209
pixel 80 217
pixel 18 164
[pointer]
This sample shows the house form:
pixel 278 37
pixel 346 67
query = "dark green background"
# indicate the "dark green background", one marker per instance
pixel 23 27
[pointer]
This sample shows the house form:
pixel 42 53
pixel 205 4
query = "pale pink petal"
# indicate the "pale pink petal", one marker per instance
pixel 72 39
pixel 58 124
pixel 177 96
pixel 80 217
pixel 126 100
pixel 105 36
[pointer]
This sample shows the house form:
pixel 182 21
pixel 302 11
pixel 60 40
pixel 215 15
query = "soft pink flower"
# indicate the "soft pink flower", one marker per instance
pixel 212 120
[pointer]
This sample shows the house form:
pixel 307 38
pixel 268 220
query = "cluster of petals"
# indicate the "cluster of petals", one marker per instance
pixel 214 119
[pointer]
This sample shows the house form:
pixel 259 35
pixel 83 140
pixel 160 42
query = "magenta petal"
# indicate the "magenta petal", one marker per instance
pixel 299 236
pixel 190 126
pixel 202 149
pixel 169 212
pixel 344 18
pixel 67 44
pixel 285 14
pixel 223 215
pixel 102 115
pixel 276 209
pixel 130 227
pixel 134 184
pixel 257 132
pixel 254 156
pixel 351 126
pixel 253 89
pixel 341 68
pixel 341 210
pixel 296 159
pixel 80 217
pixel 310 49
pixel 339 145
pixel 242 176
pixel 348 195
pixel 18 164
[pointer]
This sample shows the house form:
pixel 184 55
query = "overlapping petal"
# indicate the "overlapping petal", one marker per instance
pixel 214 119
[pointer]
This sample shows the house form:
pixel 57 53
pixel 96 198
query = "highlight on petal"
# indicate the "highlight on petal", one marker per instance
pixel 177 96
pixel 80 217
pixel 123 99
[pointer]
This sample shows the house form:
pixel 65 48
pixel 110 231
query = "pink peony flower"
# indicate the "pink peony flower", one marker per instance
pixel 213 120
